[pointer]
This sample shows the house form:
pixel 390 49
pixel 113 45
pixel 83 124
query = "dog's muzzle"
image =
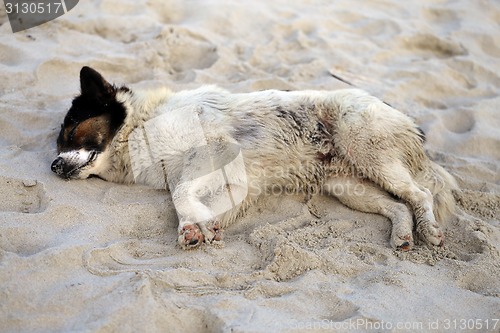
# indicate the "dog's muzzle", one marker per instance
pixel 70 164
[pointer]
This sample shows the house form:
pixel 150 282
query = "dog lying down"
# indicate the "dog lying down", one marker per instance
pixel 218 152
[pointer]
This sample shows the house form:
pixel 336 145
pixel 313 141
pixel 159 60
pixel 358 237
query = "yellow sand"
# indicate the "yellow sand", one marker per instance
pixel 96 256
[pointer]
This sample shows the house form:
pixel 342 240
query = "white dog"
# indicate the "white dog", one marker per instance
pixel 218 152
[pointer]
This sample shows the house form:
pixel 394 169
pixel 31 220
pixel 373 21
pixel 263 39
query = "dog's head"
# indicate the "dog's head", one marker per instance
pixel 88 128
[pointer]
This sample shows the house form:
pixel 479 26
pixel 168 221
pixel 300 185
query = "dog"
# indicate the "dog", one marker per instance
pixel 218 152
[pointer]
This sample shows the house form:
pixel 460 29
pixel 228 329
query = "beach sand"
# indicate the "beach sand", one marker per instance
pixel 102 257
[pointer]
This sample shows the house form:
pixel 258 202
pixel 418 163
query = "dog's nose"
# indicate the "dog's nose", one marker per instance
pixel 58 165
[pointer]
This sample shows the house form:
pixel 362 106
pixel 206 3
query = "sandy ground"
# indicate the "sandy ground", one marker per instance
pixel 102 257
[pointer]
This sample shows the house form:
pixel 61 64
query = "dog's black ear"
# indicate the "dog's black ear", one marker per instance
pixel 93 84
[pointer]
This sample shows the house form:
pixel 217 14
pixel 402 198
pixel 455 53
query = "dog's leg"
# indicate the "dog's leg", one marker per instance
pixel 395 178
pixel 365 196
pixel 197 222
pixel 383 145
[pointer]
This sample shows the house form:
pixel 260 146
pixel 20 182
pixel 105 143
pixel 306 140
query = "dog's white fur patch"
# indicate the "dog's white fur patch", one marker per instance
pixel 76 157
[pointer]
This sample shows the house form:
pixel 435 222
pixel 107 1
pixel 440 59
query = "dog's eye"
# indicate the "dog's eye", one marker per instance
pixel 92 156
pixel 72 133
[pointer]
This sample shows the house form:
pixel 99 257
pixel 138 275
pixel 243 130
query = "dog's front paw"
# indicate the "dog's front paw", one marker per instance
pixel 214 232
pixel 191 235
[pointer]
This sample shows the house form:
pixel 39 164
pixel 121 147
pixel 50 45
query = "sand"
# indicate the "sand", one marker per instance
pixel 102 257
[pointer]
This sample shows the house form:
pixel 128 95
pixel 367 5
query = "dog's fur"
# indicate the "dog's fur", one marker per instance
pixel 344 143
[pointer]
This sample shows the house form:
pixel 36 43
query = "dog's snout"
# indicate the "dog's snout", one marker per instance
pixel 58 165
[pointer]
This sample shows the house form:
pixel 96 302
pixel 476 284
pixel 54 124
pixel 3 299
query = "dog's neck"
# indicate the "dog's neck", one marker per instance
pixel 141 106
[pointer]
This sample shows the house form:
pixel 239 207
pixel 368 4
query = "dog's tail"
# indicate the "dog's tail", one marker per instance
pixel 441 184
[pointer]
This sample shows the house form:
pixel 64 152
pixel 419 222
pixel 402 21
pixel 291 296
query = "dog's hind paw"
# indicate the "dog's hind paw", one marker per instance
pixel 431 233
pixel 402 243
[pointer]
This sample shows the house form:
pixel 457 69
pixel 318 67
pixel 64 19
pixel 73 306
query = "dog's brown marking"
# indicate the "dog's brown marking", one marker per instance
pixel 93 133
pixel 97 128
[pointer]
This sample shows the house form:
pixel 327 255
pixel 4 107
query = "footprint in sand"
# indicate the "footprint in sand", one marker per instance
pixel 186 50
pixel 459 122
pixel 433 45
pixel 474 279
pixel 23 196
pixel 10 56
pixel 129 256
pixel 196 273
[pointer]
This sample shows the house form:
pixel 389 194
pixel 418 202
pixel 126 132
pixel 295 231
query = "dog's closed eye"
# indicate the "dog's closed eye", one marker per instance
pixel 71 134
